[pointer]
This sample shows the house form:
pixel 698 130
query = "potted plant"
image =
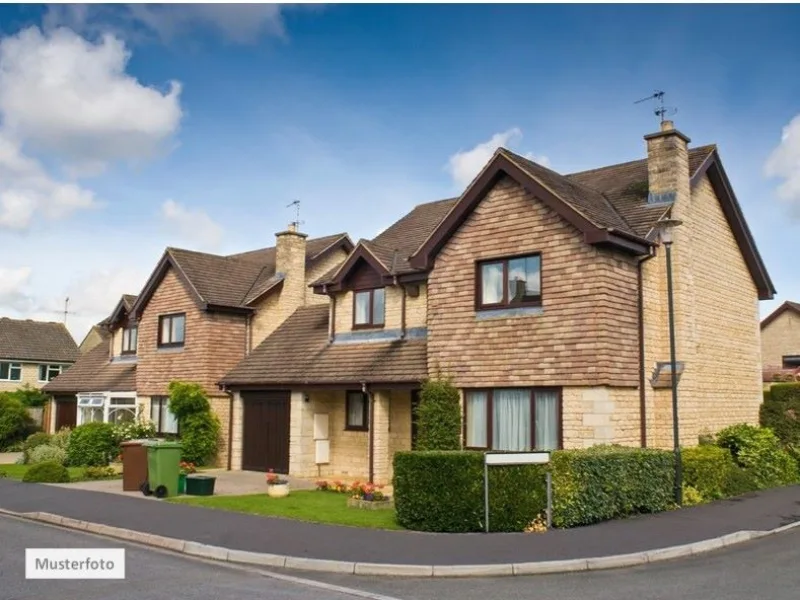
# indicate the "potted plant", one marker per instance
pixel 186 469
pixel 276 486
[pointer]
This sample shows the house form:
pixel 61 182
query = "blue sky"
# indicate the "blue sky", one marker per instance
pixel 124 129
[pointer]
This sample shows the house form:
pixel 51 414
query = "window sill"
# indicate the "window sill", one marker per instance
pixel 506 313
pixel 358 429
pixel 169 349
pixel 367 327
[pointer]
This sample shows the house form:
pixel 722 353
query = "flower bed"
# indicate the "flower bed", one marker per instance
pixel 362 495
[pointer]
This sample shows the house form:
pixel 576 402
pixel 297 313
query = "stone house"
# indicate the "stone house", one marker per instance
pixel 780 342
pixel 543 297
pixel 33 352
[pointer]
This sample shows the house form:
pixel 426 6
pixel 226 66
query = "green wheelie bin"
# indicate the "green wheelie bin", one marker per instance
pixel 163 468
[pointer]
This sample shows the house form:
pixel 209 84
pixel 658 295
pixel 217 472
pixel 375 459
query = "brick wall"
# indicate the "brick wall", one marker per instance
pixel 587 332
pixel 780 338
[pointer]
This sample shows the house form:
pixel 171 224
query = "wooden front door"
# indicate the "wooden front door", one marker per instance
pixel 414 405
pixel 265 443
pixel 66 411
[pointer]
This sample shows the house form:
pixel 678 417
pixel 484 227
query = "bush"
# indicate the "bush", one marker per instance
pixel 47 472
pixel 708 470
pixel 15 422
pixel 37 439
pixel 199 438
pixel 692 496
pixel 30 396
pixel 47 453
pixel 443 491
pixel 439 416
pixel 99 473
pixel 740 481
pixel 134 430
pixel 187 399
pixel 609 482
pixel 92 445
pixel 784 392
pixel 782 417
pixel 758 450
pixel 60 439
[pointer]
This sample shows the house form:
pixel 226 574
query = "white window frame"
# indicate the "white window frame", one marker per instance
pixel 103 399
pixel 12 366
pixel 48 367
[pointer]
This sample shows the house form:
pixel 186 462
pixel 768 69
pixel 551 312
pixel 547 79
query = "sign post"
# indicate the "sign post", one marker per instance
pixel 516 458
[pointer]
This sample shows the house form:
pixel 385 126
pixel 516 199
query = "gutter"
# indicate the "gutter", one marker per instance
pixel 371 436
pixel 642 381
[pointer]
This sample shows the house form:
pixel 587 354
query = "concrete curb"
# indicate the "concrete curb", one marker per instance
pixel 383 569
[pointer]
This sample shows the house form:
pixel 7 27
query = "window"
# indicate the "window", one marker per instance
pixel 162 416
pixel 10 371
pixel 513 419
pixel 49 372
pixel 103 407
pixel 129 338
pixel 791 362
pixel 357 407
pixel 171 330
pixel 369 307
pixel 91 408
pixel 509 282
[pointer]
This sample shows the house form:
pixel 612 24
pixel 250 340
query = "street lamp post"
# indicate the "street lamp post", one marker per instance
pixel 665 232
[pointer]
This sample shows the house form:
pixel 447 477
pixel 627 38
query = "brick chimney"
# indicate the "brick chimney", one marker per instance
pixel 668 167
pixel 290 260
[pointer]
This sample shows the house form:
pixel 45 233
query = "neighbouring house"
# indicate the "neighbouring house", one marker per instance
pixel 95 336
pixel 33 352
pixel 543 297
pixel 101 385
pixel 780 342
pixel 199 314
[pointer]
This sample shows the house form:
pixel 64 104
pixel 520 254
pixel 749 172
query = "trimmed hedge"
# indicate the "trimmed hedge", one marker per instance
pixel 47 472
pixel 784 392
pixel 92 445
pixel 439 416
pixel 783 417
pixel 758 451
pixel 609 482
pixel 443 491
pixel 709 470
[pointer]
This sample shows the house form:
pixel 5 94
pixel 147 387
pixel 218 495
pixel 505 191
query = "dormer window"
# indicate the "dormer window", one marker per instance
pixel 129 337
pixel 509 282
pixel 369 308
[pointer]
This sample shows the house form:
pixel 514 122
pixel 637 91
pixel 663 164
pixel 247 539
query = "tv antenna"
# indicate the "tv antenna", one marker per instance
pixel 66 310
pixel 660 110
pixel 297 222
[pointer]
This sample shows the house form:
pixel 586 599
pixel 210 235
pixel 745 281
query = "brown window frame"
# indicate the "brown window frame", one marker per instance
pixel 490 414
pixel 170 316
pixel 365 411
pixel 790 361
pixel 370 324
pixel 504 303
pixel 136 329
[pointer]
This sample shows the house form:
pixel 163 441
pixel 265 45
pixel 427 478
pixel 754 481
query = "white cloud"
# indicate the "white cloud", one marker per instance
pixel 14 288
pixel 193 225
pixel 65 95
pixel 464 165
pixel 784 162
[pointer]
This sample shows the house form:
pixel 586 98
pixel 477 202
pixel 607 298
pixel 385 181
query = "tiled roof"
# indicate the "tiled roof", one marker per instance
pixel 129 300
pixel 299 352
pixel 786 306
pixel 24 339
pixel 93 372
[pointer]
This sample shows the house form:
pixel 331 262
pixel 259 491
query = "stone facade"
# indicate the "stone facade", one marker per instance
pixel 600 415
pixel 416 309
pixel 30 376
pixel 779 338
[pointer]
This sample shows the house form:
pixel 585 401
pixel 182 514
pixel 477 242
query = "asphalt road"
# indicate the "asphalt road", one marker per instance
pixel 150 574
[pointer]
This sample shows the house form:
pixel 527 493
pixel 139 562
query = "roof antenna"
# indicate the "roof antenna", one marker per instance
pixel 660 110
pixel 297 222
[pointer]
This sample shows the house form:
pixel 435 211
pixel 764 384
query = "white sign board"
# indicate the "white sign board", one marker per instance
pixel 518 458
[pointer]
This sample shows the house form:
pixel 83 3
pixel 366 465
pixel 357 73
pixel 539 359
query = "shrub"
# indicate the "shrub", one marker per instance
pixel 47 472
pixel 784 392
pixel 783 417
pixel 15 422
pixel 61 438
pixel 439 416
pixel 47 453
pixel 92 445
pixel 443 491
pixel 99 473
pixel 758 450
pixel 37 439
pixel 187 399
pixel 707 469
pixel 692 496
pixel 199 438
pixel 740 481
pixel 30 396
pixel 608 482
pixel 134 430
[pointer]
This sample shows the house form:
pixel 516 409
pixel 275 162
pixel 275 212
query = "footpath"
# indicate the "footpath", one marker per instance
pixel 294 544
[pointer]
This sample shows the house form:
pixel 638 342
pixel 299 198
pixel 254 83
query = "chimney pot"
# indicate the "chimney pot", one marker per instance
pixel 667 126
pixel 292 226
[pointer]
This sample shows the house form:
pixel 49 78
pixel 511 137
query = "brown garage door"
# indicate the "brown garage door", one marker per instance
pixel 266 431
pixel 66 411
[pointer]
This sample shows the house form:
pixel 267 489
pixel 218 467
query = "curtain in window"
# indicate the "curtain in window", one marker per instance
pixel 378 306
pixel 546 420
pixel 477 427
pixel 511 429
pixel 362 308
pixel 169 422
pixel 492 283
pixel 355 411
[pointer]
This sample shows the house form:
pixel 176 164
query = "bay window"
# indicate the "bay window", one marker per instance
pixel 516 419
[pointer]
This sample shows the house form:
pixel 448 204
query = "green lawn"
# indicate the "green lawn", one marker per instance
pixel 303 505
pixel 18 472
